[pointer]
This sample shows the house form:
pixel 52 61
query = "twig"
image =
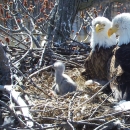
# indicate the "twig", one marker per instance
pixel 94 120
pixel 105 116
pixel 40 70
pixel 105 11
pixel 89 15
pixel 78 31
pixel 30 81
pixel 43 51
pixel 31 46
pixel 71 125
pixel 8 108
pixel 109 125
pixel 70 113
pixel 99 106
pixel 65 125
pixel 22 106
pixel 22 57
pixel 18 100
pixel 25 123
pixel 38 125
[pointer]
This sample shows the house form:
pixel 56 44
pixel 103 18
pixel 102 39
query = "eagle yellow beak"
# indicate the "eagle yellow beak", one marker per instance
pixel 112 30
pixel 99 27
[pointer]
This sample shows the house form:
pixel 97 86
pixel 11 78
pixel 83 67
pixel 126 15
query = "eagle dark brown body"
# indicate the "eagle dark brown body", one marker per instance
pixel 96 63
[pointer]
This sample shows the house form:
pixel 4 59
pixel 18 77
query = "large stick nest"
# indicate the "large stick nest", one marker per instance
pixel 78 109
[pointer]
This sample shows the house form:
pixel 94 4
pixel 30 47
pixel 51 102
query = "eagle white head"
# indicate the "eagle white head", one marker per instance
pixel 121 27
pixel 100 26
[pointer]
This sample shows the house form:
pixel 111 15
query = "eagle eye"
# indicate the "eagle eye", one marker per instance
pixel 117 26
pixel 96 23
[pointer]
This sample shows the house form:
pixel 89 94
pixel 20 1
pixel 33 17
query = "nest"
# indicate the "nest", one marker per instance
pixel 87 108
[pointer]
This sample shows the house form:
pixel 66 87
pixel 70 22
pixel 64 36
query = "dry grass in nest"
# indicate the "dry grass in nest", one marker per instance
pixel 53 106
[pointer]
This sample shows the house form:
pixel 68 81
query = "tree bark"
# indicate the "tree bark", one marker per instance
pixel 61 20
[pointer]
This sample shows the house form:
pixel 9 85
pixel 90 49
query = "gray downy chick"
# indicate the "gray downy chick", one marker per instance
pixel 63 83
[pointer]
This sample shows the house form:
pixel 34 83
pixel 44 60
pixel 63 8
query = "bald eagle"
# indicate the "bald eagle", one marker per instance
pixel 119 64
pixel 102 46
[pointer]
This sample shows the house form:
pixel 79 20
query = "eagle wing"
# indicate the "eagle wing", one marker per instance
pixel 96 63
pixel 117 68
pixel 67 85
pixel 122 55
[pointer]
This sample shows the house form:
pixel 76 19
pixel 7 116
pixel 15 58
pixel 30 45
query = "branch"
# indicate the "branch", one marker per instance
pixel 112 124
pixel 19 101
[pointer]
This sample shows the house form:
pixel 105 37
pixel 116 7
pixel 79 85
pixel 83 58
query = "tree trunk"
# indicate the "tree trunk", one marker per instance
pixel 61 20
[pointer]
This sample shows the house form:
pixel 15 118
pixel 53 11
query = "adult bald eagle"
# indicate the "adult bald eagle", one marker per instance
pixel 102 46
pixel 119 64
